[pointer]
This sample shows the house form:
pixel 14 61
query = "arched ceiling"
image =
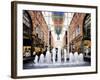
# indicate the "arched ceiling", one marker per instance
pixel 58 23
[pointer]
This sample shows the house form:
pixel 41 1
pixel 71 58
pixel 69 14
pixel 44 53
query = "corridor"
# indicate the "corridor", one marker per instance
pixel 56 39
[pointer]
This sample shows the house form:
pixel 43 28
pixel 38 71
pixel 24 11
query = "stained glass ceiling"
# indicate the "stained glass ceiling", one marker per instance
pixel 48 19
pixel 51 26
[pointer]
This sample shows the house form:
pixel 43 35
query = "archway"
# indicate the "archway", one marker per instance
pixel 86 42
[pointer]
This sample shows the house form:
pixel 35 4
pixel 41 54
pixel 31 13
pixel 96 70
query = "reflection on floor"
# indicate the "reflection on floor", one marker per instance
pixel 31 65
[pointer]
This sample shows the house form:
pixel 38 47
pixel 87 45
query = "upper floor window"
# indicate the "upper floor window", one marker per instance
pixel 77 31
pixel 26 19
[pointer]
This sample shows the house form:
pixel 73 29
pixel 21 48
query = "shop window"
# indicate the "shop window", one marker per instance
pixel 27 30
pixel 87 26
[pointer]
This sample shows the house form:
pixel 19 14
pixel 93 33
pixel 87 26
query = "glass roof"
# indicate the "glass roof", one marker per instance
pixel 67 19
pixel 48 19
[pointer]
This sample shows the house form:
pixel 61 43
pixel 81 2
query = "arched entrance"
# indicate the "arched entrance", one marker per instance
pixel 87 27
pixel 86 43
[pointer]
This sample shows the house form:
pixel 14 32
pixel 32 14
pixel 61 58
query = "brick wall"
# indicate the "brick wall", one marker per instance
pixel 74 35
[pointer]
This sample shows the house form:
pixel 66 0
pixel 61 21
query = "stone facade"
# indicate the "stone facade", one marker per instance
pixel 76 31
pixel 38 20
pixel 40 30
